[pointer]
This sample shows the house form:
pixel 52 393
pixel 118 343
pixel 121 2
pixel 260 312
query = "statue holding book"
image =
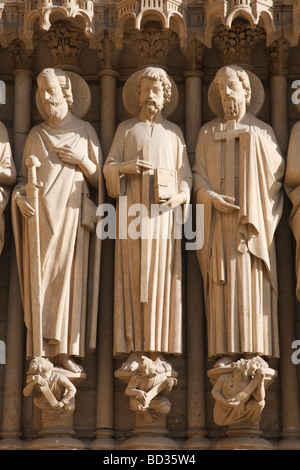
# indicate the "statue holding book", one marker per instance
pixel 148 166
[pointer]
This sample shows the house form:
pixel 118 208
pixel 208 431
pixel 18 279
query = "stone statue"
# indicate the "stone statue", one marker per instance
pixel 148 153
pixel 240 395
pixel 7 177
pixel 292 182
pixel 56 194
pixel 52 390
pixel 150 382
pixel 238 175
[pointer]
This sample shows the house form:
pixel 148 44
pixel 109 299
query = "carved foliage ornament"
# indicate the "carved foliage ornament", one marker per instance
pixel 152 45
pixel 235 44
pixel 64 43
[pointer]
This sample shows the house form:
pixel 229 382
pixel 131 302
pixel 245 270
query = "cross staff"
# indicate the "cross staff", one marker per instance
pixel 32 193
pixel 145 226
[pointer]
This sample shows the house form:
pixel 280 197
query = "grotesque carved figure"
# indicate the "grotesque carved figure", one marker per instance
pixel 240 393
pixel 52 390
pixel 150 383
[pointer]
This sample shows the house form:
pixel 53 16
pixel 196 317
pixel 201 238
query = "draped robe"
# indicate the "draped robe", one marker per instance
pixel 292 187
pixel 155 325
pixel 66 266
pixel 238 261
pixel 9 176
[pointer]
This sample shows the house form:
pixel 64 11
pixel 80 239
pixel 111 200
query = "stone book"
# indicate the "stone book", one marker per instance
pixel 165 184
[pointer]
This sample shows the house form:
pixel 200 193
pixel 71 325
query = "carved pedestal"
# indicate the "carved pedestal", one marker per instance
pixel 149 436
pixel 243 438
pixel 57 428
pixel 149 382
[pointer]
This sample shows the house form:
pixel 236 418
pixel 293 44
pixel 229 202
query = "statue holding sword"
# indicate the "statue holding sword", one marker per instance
pixel 53 213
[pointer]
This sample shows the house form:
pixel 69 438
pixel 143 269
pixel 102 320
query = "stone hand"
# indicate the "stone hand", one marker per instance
pixel 59 407
pixel 260 374
pixel 170 383
pixel 224 203
pixel 134 167
pixel 38 379
pixel 25 208
pixel 232 402
pixel 141 396
pixel 174 201
pixel 69 155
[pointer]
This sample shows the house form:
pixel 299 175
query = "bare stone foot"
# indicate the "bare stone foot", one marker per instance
pixel 67 363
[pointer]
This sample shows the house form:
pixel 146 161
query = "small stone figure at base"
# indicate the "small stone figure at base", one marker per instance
pixel 148 388
pixel 52 390
pixel 240 395
pixel 54 394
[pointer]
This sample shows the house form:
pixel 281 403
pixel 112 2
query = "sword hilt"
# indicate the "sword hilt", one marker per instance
pixel 32 163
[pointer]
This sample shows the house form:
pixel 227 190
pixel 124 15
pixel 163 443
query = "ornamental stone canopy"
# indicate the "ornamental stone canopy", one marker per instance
pixel 149 262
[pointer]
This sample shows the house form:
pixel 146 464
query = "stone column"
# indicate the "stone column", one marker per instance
pixel 196 374
pixel 278 53
pixel 105 374
pixel 108 78
pixel 13 380
pixel 22 112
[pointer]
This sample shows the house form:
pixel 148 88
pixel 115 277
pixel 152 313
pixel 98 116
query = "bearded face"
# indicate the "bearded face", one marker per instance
pixel 232 94
pixel 232 107
pixel 151 97
pixel 52 97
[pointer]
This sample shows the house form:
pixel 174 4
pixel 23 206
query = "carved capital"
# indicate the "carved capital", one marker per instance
pixel 194 55
pixel 21 55
pixel 279 52
pixel 235 45
pixel 108 54
pixel 64 43
pixel 152 45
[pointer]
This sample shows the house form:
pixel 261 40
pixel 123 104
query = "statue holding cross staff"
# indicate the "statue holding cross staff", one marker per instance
pixel 238 175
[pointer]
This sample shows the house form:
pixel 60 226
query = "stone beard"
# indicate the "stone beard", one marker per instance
pixel 238 261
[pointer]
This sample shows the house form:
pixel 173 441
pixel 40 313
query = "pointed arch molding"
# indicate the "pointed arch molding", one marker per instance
pixel 21 19
pixel 171 14
pixel 41 15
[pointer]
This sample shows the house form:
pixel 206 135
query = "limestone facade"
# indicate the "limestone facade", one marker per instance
pixel 105 41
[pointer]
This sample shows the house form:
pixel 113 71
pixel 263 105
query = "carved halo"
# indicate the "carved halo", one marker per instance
pixel 130 100
pixel 81 96
pixel 257 96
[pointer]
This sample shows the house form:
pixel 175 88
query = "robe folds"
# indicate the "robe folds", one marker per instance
pixel 69 256
pixel 238 261
pixel 292 187
pixel 7 168
pixel 156 325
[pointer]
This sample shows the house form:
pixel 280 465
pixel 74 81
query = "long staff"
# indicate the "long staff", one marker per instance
pixel 32 194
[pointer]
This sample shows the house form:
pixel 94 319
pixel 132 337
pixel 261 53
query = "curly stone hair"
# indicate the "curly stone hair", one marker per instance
pixel 155 74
